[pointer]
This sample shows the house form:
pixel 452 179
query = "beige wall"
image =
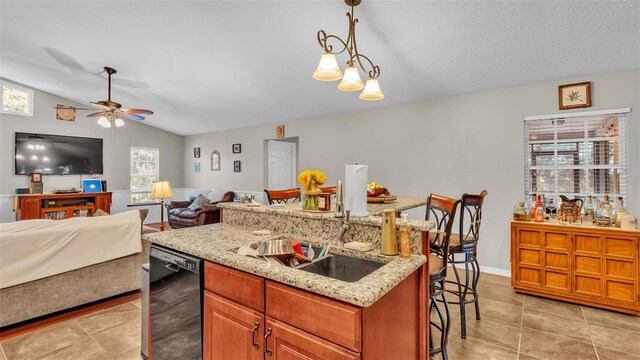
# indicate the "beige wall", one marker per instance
pixel 115 147
pixel 450 146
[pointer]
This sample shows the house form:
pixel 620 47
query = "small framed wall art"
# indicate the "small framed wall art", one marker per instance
pixel 236 166
pixel 36 177
pixel 196 153
pixel 279 131
pixel 573 96
pixel 237 148
pixel 197 167
pixel 215 160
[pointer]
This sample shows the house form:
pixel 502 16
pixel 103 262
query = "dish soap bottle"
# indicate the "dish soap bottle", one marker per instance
pixel 389 244
pixel 405 239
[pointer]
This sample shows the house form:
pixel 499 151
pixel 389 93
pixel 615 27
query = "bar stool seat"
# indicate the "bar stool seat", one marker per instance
pixel 436 265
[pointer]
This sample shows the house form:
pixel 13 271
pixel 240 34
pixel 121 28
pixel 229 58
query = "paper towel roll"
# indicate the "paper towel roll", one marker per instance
pixel 355 189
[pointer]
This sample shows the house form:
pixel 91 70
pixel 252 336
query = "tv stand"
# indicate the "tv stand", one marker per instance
pixel 61 206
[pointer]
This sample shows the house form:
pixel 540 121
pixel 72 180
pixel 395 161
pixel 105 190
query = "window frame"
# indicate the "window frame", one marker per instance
pixel 622 167
pixel 157 172
pixel 12 85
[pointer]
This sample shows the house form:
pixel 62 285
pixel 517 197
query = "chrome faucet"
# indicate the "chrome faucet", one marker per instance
pixel 341 215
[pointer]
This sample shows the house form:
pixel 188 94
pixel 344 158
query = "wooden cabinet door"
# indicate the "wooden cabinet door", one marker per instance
pixel 231 331
pixel 620 268
pixel 557 260
pixel 103 202
pixel 527 258
pixel 284 342
pixel 587 264
pixel 30 209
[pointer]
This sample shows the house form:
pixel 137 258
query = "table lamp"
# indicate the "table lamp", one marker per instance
pixel 161 190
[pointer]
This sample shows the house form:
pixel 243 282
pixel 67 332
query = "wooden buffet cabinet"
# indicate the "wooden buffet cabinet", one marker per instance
pixel 587 265
pixel 249 317
pixel 36 206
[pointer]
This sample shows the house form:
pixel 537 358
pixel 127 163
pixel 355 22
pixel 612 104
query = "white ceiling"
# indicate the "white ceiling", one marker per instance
pixel 205 66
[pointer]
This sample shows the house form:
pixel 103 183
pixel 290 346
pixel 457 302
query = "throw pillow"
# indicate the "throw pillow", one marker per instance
pixel 198 202
pixel 100 212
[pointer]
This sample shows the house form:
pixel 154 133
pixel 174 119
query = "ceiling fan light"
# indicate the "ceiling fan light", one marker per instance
pixel 372 91
pixel 328 69
pixel 102 121
pixel 119 122
pixel 351 80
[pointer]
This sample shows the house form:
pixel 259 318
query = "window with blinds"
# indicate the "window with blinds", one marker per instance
pixel 576 156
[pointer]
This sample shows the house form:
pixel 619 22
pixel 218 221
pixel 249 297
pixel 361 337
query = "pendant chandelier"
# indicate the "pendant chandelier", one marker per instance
pixel 328 69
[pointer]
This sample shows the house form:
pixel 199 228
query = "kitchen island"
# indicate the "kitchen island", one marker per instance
pixel 257 310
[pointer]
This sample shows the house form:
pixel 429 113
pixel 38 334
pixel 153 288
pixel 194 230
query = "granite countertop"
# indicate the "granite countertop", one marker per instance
pixel 219 242
pixel 374 218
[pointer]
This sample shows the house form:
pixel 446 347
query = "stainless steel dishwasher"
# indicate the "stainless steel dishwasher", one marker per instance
pixel 175 305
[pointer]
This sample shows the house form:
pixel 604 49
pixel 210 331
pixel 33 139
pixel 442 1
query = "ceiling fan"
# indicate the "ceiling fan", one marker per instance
pixel 109 112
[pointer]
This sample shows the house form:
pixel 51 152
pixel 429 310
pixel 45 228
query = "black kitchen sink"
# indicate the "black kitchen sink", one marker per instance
pixel 342 267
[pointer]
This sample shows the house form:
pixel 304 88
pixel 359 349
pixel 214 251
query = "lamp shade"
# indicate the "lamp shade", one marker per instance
pixel 351 80
pixel 328 69
pixel 372 91
pixel 119 122
pixel 161 190
pixel 102 121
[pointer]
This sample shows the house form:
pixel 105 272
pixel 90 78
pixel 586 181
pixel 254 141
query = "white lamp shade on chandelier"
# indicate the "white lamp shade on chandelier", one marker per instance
pixel 351 80
pixel 106 123
pixel 372 91
pixel 328 69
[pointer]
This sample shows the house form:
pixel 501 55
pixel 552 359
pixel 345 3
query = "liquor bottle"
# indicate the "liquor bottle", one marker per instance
pixel 621 211
pixel 532 208
pixel 539 210
pixel 589 211
pixel 605 208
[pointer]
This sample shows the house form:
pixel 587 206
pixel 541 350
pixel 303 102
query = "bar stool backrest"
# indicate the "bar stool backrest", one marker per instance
pixel 282 196
pixel 442 211
pixel 470 220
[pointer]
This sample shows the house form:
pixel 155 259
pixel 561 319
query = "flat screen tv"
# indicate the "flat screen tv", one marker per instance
pixel 57 154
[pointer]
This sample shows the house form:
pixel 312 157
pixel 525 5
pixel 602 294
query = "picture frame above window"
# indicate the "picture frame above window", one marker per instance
pixel 237 148
pixel 574 96
pixel 237 166
pixel 197 167
pixel 196 153
pixel 215 160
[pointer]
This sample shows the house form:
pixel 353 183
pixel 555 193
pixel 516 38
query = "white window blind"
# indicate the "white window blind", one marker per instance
pixel 576 156
pixel 144 170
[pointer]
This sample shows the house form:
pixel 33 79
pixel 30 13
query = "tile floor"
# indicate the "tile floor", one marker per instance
pixel 513 326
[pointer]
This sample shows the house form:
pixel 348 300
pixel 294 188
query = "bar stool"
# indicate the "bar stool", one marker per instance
pixel 282 196
pixel 442 211
pixel 466 243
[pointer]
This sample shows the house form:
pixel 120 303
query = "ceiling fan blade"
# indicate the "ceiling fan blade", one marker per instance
pixel 136 111
pixel 106 108
pixel 99 113
pixel 131 117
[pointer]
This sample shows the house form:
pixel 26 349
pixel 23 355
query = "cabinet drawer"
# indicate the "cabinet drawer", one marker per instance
pixel 329 319
pixel 239 286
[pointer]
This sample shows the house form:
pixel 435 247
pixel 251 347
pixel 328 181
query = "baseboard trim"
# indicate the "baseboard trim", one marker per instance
pixel 491 270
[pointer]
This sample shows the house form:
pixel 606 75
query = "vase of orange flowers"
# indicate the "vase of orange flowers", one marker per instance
pixel 310 180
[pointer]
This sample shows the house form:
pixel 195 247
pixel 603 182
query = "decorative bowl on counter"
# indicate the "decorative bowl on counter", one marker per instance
pixel 377 192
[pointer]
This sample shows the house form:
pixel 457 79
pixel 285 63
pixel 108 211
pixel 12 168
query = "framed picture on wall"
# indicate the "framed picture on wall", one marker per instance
pixel 572 96
pixel 237 148
pixel 215 160
pixel 196 153
pixel 279 131
pixel 236 166
pixel 197 167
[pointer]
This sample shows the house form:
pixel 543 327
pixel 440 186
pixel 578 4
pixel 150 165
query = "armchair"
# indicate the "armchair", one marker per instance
pixel 180 216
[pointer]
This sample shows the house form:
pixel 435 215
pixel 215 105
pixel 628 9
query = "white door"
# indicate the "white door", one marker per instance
pixel 281 173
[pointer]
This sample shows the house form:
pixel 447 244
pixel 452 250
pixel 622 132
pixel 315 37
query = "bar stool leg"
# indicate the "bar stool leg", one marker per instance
pixel 476 278
pixel 463 313
pixel 444 321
